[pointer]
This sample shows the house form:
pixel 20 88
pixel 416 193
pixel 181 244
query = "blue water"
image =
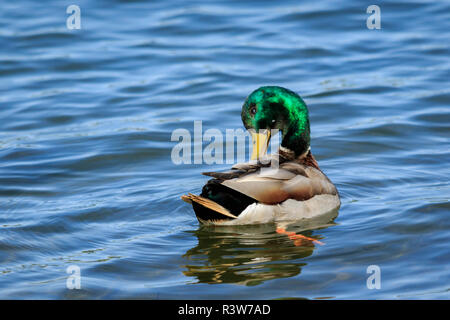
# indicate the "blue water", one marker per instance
pixel 87 180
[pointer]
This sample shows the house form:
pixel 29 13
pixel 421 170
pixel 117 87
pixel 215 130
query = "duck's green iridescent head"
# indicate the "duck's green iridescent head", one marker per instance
pixel 273 107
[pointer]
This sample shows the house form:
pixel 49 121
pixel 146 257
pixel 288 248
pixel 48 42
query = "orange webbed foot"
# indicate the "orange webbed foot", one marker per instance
pixel 298 239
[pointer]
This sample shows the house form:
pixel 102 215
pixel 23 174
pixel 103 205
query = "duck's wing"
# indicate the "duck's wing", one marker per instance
pixel 207 203
pixel 269 185
pixel 238 170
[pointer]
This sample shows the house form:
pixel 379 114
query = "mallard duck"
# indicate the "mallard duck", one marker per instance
pixel 258 191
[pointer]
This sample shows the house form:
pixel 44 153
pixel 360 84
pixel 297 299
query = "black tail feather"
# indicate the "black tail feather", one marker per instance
pixel 232 200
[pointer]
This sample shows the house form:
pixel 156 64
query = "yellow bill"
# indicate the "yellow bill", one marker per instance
pixel 260 142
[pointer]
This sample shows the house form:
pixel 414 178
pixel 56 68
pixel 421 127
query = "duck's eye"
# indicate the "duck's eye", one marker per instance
pixel 252 109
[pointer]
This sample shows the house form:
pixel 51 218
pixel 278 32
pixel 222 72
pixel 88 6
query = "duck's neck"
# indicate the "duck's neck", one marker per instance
pixel 305 158
pixel 290 155
pixel 297 137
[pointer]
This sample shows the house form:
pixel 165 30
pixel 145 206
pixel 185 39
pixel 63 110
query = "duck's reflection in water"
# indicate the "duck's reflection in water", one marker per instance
pixel 250 255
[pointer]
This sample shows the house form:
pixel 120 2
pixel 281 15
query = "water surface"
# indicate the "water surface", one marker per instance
pixel 86 176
